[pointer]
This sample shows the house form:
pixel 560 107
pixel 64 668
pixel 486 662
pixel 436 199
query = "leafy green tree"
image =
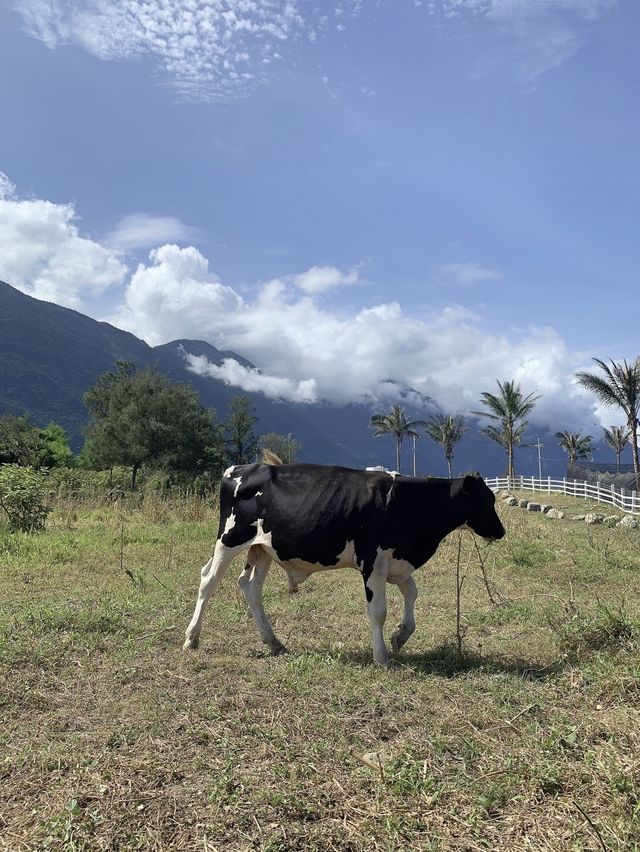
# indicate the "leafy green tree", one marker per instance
pixel 617 437
pixel 242 444
pixel 284 446
pixel 54 447
pixel 507 409
pixel 23 497
pixel 575 444
pixel 394 422
pixel 618 387
pixel 20 441
pixel 142 418
pixel 446 430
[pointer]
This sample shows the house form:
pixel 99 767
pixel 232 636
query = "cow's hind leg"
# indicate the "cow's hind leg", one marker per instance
pixel 211 575
pixel 251 582
pixel 375 590
pixel 408 625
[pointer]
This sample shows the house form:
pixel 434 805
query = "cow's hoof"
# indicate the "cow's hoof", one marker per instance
pixel 278 649
pixel 190 644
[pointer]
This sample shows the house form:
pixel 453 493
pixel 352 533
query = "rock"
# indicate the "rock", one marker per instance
pixel 510 501
pixel 611 520
pixel 545 508
pixel 555 513
pixel 593 518
pixel 523 504
pixel 533 507
pixel 578 517
pixel 629 522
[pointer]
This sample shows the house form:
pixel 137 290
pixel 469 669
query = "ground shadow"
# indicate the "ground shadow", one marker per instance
pixel 444 661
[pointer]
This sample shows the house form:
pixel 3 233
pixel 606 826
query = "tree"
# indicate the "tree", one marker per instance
pixel 144 418
pixel 575 444
pixel 446 430
pixel 508 409
pixel 617 437
pixel 54 447
pixel 618 387
pixel 20 441
pixel 284 446
pixel 242 444
pixel 395 423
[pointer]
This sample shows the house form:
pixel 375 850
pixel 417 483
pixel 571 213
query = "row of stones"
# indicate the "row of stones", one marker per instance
pixel 590 517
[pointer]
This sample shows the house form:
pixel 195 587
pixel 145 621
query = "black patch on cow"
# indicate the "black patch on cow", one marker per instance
pixel 368 593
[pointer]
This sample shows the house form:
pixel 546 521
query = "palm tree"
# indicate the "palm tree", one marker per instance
pixel 395 422
pixel 446 430
pixel 617 437
pixel 620 388
pixel 508 409
pixel 575 444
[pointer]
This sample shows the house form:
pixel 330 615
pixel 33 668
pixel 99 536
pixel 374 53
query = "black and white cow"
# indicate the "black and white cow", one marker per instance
pixel 310 518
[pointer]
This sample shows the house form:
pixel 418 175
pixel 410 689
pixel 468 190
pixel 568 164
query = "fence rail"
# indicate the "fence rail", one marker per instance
pixel 626 501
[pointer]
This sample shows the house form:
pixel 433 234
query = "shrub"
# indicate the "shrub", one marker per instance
pixel 23 494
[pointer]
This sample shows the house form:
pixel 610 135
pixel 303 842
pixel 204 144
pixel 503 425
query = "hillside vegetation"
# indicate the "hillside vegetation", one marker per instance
pixel 113 738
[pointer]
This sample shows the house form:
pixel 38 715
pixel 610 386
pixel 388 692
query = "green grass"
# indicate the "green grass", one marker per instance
pixel 113 738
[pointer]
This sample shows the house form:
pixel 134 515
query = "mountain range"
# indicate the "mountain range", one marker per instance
pixel 50 356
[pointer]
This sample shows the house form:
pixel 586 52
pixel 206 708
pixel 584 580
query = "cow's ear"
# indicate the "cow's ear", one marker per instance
pixel 469 484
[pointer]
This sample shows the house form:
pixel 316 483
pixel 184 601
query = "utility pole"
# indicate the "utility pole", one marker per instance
pixel 539 446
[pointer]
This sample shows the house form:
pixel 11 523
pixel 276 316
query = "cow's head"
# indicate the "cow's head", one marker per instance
pixel 476 504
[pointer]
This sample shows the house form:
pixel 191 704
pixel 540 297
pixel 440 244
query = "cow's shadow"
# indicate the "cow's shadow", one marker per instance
pixel 445 661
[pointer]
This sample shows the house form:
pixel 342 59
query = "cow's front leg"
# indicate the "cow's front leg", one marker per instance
pixel 375 590
pixel 408 625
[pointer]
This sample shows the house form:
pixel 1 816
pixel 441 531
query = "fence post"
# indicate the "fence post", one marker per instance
pixel 521 482
pixel 633 502
pixel 623 498
pixel 598 491
pixel 549 484
pixel 564 484
pixel 575 487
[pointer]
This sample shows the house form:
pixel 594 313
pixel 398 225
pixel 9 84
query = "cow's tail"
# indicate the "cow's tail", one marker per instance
pixel 269 457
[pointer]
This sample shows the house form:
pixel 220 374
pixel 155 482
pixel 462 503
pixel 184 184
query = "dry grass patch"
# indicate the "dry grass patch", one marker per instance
pixel 112 738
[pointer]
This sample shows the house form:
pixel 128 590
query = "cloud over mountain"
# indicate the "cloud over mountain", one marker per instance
pixel 306 348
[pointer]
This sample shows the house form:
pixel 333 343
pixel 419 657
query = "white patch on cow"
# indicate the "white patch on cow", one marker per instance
pixel 262 537
pixel 229 525
pixel 389 495
pixel 238 484
pixel 298 570
pixel 229 471
pixel 259 493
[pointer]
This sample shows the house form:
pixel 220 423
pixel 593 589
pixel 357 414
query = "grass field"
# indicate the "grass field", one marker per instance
pixel 113 738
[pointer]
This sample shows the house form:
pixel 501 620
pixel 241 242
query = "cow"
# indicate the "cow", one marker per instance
pixel 310 518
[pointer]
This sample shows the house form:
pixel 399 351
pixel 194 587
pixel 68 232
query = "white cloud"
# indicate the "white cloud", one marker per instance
pixel 216 49
pixel 539 34
pixel 464 274
pixel 175 296
pixel 141 230
pixel 308 351
pixel 7 189
pixel 207 48
pixel 319 279
pixel 253 380
pixel 305 349
pixel 43 254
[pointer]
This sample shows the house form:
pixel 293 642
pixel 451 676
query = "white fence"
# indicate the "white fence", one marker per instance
pixel 626 501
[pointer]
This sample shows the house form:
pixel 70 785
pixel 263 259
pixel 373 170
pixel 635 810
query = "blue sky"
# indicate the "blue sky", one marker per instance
pixel 441 192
